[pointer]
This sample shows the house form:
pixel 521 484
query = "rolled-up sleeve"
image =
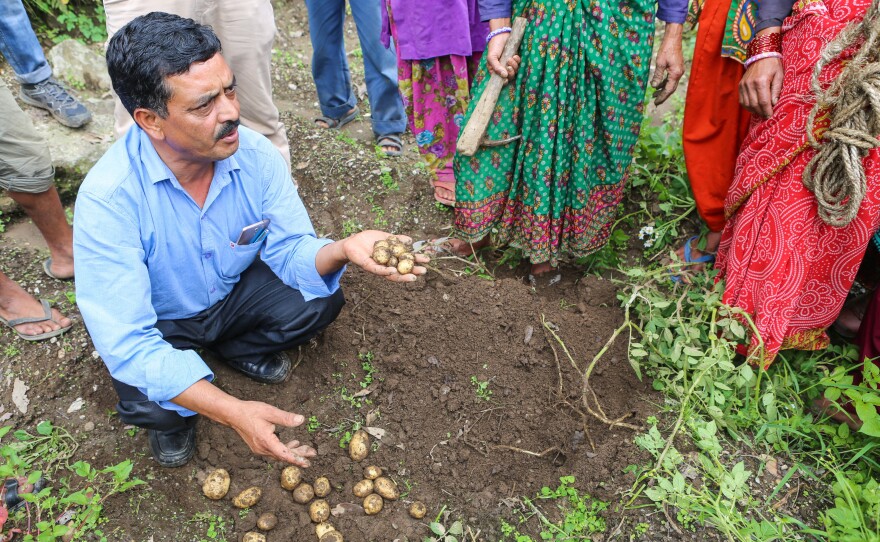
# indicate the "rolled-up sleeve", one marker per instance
pixel 672 11
pixel 291 246
pixel 494 9
pixel 114 296
pixel 772 13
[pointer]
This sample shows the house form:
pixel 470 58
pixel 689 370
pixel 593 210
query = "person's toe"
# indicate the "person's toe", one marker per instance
pixel 59 319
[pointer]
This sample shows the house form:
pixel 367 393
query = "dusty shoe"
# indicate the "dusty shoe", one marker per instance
pixel 173 448
pixel 53 97
pixel 272 369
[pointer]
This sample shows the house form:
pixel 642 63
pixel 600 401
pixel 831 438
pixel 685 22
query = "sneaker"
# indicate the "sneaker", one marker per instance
pixel 53 97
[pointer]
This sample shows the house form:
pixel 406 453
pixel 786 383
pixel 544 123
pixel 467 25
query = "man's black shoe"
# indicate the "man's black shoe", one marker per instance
pixel 273 369
pixel 173 448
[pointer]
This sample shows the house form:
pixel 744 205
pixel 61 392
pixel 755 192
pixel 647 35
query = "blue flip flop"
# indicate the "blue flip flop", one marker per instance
pixel 688 258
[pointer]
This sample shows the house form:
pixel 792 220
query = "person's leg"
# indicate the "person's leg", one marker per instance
pixel 26 172
pixel 380 66
pixel 19 44
pixel 48 215
pixel 16 303
pixel 246 29
pixel 714 123
pixel 263 316
pixel 118 13
pixel 329 65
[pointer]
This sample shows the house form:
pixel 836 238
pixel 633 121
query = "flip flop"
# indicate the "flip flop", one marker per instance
pixel 47 316
pixel 447 184
pixel 47 268
pixel 430 245
pixel 335 124
pixel 688 258
pixel 390 140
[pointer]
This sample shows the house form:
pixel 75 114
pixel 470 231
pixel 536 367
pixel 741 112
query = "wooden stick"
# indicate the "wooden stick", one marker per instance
pixel 475 129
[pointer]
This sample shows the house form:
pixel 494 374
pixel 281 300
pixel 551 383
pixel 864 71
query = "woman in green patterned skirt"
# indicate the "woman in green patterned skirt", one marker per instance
pixel 576 95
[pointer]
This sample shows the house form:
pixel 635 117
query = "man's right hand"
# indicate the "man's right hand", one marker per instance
pixel 256 423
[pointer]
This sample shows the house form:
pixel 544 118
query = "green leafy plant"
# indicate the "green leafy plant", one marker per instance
pixel 481 387
pixel 215 526
pixel 313 424
pixel 62 19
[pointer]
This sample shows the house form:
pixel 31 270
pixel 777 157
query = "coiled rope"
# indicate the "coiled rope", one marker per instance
pixel 836 174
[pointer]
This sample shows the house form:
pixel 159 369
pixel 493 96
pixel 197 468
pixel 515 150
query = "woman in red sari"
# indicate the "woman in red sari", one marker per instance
pixel 784 266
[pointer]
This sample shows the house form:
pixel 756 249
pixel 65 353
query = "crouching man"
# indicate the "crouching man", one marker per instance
pixel 189 233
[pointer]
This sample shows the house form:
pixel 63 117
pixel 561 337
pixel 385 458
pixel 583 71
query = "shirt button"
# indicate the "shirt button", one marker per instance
pixel 213 290
pixel 207 255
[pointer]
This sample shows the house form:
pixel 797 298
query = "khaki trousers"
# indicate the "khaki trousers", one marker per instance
pixel 25 164
pixel 246 29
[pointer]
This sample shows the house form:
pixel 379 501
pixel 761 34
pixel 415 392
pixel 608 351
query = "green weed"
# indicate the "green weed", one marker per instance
pixel 313 424
pixel 481 387
pixel 215 526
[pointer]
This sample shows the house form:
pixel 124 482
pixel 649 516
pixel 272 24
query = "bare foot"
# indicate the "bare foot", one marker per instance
pixel 62 266
pixel 16 303
pixel 539 269
pixel 463 248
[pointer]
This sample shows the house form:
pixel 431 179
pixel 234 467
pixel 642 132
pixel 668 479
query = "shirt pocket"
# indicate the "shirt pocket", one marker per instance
pixel 234 259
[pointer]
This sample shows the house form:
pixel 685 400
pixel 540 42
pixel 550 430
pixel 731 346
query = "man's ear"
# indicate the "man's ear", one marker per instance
pixel 150 122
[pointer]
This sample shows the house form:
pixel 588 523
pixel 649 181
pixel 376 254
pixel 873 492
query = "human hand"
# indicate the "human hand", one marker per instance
pixel 669 66
pixel 494 50
pixel 255 423
pixel 359 250
pixel 761 85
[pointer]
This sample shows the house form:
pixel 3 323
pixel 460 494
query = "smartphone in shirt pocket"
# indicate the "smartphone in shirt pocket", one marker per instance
pixel 255 233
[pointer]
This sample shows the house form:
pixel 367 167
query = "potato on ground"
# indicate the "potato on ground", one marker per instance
pixel 254 537
pixel 267 521
pixel 386 488
pixel 373 504
pixel 323 528
pixel 291 477
pixel 248 498
pixel 359 446
pixel 362 488
pixel 319 511
pixel 372 472
pixel 332 536
pixel 303 493
pixel 216 485
pixel 418 510
pixel 322 487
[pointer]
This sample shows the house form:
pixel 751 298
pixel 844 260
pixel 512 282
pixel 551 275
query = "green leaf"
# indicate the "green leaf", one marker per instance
pixel 44 428
pixel 437 528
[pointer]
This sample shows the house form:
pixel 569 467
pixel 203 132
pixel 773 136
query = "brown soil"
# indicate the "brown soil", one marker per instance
pixel 431 343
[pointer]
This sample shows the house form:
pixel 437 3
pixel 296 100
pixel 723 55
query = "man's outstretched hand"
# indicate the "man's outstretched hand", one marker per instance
pixel 256 426
pixel 359 250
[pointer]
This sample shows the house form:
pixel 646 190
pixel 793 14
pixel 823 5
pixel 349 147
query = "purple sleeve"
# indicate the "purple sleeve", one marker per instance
pixel 494 9
pixel 672 11
pixel 772 12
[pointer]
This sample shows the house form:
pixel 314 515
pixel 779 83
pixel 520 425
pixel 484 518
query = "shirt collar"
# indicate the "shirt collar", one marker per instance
pixel 139 145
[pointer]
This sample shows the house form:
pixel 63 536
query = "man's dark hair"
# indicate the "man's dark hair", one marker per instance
pixel 150 48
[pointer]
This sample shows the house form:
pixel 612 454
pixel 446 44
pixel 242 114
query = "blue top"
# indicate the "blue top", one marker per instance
pixel 671 11
pixel 144 251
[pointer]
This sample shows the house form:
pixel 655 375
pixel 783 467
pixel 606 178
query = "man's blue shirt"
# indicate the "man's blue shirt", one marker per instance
pixel 144 251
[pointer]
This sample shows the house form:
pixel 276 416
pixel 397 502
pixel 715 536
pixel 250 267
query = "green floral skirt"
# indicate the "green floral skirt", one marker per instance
pixel 578 102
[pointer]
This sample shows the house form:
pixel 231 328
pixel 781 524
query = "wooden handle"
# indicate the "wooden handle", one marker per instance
pixel 475 129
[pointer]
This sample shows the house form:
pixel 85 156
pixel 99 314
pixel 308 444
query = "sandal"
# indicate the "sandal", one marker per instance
pixel 335 124
pixel 12 500
pixel 441 185
pixel 47 268
pixel 390 140
pixel 688 258
pixel 47 316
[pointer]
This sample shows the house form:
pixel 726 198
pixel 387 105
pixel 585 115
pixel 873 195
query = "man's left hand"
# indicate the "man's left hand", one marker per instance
pixel 359 251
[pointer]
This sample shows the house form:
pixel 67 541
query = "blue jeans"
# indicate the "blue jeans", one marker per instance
pixel 330 67
pixel 19 44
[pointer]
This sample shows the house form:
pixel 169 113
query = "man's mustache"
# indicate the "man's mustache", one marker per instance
pixel 228 128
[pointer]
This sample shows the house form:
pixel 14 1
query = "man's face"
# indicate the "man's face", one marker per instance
pixel 203 112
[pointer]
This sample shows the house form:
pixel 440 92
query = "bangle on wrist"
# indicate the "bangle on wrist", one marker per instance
pixel 766 43
pixel 761 56
pixel 502 30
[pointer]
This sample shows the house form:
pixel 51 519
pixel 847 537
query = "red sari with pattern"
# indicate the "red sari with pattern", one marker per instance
pixel 782 264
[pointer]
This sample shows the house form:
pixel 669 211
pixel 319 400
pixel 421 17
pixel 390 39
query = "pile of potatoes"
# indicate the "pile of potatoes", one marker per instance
pixel 374 489
pixel 394 253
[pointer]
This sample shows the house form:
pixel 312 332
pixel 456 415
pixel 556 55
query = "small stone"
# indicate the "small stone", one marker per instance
pixel 88 426
pixel 75 406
